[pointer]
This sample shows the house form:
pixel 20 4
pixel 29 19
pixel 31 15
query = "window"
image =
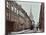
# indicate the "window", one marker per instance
pixel 7 4
pixel 20 13
pixel 15 10
pixel 12 8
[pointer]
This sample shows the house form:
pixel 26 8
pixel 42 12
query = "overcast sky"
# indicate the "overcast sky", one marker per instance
pixel 31 7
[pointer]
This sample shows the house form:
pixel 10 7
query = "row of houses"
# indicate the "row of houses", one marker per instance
pixel 16 17
pixel 41 18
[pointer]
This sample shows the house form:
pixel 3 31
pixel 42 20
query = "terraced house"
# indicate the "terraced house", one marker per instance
pixel 16 17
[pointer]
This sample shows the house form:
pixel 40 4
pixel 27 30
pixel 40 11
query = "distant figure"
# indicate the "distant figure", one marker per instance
pixel 32 27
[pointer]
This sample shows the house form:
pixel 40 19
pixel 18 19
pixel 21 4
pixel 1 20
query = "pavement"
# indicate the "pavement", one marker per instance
pixel 28 31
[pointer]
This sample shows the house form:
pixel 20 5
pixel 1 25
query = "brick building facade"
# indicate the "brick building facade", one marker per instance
pixel 16 18
pixel 41 19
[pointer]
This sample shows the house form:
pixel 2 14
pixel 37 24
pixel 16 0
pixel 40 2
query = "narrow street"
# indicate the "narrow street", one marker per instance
pixel 28 31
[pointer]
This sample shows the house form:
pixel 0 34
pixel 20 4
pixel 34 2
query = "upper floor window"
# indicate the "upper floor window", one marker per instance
pixel 20 13
pixel 12 8
pixel 7 4
pixel 15 10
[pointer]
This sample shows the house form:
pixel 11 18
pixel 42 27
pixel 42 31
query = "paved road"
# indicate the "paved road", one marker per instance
pixel 24 32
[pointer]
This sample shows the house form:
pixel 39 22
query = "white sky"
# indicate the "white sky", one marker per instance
pixel 34 7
